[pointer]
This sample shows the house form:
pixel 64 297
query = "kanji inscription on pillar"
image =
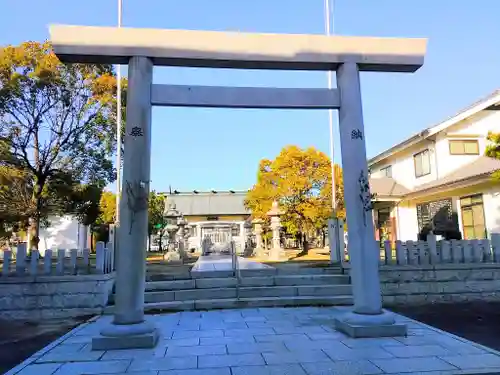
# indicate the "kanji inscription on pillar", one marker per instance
pixel 136 132
pixel 364 194
pixel 356 134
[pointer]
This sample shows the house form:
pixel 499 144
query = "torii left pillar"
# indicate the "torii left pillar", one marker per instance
pixel 129 329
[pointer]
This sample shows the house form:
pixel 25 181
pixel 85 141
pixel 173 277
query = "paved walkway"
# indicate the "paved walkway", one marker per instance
pixel 210 263
pixel 267 341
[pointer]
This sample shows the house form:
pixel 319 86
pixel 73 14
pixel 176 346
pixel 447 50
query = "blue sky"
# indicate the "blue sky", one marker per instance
pixel 220 148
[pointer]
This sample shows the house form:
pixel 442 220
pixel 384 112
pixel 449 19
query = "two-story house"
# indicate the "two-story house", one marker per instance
pixel 440 180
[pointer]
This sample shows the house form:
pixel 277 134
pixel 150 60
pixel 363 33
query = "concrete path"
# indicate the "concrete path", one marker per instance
pixel 264 341
pixel 224 263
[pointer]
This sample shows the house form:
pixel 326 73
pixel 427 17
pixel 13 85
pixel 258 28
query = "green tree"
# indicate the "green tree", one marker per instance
pixel 107 208
pixel 58 123
pixel 300 180
pixel 156 218
pixel 493 150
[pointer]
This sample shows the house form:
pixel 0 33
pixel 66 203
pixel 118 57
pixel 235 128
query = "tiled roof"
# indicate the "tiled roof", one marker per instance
pixel 483 166
pixel 387 187
pixel 210 203
pixel 489 102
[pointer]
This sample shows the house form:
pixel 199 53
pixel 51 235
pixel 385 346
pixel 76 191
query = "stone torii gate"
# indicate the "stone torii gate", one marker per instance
pixel 141 49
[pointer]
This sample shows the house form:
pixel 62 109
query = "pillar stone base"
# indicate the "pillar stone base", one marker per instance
pixel 172 256
pixel 363 325
pixel 126 336
pixel 260 252
pixel 277 254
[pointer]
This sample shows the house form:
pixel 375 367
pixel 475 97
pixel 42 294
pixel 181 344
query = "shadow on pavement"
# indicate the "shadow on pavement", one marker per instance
pixel 19 340
pixel 475 321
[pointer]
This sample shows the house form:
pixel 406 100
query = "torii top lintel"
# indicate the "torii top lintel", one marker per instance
pixel 212 49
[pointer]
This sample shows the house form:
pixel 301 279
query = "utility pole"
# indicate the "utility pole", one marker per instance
pixel 328 22
pixel 118 127
pixel 335 225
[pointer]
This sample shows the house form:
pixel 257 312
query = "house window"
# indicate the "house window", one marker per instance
pixel 464 147
pixel 436 216
pixel 235 230
pixel 387 171
pixel 473 217
pixel 422 163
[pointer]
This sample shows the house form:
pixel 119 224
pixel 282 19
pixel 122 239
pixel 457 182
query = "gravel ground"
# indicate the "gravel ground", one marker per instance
pixel 19 340
pixel 476 321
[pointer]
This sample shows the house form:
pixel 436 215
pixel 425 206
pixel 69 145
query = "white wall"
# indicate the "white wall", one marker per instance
pixel 406 221
pixel 403 168
pixel 478 125
pixel 491 202
pixel 63 233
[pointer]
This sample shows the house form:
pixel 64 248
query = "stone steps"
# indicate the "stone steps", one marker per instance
pixel 247 292
pixel 289 270
pixel 292 286
pixel 229 303
pixel 228 282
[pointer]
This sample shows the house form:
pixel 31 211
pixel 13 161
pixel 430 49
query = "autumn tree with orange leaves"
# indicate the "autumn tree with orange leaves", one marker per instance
pixel 300 180
pixel 58 122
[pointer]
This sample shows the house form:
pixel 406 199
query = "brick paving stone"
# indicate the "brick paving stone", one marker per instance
pixel 195 334
pixel 290 337
pixel 230 360
pixel 91 368
pixel 300 329
pixel 185 327
pixel 361 343
pixel 412 364
pixel 223 325
pixel 66 348
pixel 295 357
pixel 270 324
pixel 179 351
pixel 204 371
pixel 289 369
pixel 160 364
pixel 254 318
pixel 344 354
pixel 78 340
pixel 341 368
pixel 299 345
pixel 41 369
pixel 227 340
pixel 248 332
pixel 475 361
pixel 194 341
pixel 158 352
pixel 418 351
pixel 260 347
pixel 335 336
pixel 70 357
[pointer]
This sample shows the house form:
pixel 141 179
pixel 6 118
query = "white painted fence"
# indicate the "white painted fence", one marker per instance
pixel 438 252
pixel 60 262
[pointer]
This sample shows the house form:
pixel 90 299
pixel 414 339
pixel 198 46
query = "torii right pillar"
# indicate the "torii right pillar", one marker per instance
pixel 367 319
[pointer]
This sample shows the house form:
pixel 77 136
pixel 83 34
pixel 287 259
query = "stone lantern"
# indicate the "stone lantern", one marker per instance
pixel 171 218
pixel 258 235
pixel 181 223
pixel 187 235
pixel 247 225
pixel 274 214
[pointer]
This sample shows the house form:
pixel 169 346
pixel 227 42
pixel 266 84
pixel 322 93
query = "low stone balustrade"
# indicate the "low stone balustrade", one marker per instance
pixel 64 283
pixel 17 262
pixel 420 272
pixel 433 251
